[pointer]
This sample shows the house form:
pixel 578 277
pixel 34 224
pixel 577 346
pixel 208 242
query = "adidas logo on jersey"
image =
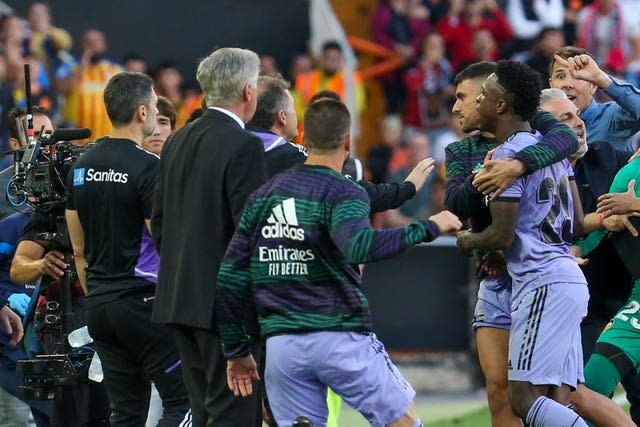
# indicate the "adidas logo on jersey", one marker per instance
pixel 283 222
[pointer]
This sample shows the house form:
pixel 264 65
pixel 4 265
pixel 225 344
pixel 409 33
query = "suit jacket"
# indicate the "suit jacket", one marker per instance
pixel 207 171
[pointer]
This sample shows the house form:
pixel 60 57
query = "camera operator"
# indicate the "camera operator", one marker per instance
pixel 18 297
pixel 78 404
pixel 110 192
pixel 18 139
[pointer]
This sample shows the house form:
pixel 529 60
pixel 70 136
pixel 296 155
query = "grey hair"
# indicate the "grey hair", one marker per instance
pixel 224 74
pixel 548 95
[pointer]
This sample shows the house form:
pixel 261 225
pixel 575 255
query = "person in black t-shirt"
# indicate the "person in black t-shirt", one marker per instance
pixel 108 209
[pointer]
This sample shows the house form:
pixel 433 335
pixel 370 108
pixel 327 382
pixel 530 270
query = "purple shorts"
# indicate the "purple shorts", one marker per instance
pixel 300 367
pixel 493 308
pixel 544 344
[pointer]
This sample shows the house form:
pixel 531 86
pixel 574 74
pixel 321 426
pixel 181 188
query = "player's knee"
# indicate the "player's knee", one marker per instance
pixel 521 400
pixel 497 394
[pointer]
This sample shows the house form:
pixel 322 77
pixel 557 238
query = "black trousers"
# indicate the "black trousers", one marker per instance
pixel 205 374
pixel 134 352
pixel 81 405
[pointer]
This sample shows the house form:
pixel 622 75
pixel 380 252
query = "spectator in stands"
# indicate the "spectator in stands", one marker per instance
pixel 135 63
pixel 11 39
pixel 428 86
pixel 540 55
pixel 49 44
pixel 168 81
pixel 484 45
pixel 578 75
pixel 84 82
pixel 165 124
pixel 328 75
pixel 301 63
pixel 610 31
pixel 419 148
pixel 6 104
pixel 463 18
pixel 529 18
pixel 268 65
pixel 389 155
pixel 399 25
pixel 437 9
pixel 40 94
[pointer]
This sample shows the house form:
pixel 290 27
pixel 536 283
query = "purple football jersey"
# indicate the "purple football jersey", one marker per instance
pixel 540 252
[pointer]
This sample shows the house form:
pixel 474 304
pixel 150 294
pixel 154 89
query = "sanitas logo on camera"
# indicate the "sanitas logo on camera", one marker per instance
pixel 283 222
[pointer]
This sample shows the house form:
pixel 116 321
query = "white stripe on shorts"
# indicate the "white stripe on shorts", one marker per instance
pixel 187 420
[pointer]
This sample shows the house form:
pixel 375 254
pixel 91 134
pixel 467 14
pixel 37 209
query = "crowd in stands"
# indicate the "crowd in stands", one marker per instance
pixel 434 39
pixel 438 38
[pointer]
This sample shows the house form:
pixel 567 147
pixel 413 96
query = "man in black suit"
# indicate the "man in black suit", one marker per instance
pixel 207 171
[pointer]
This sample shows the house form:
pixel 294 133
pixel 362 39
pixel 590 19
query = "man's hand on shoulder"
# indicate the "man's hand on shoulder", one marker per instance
pixel 497 175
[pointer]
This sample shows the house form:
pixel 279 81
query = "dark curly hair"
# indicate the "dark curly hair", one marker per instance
pixel 521 81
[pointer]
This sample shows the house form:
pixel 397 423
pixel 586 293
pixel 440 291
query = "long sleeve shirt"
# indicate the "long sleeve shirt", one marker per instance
pixel 615 121
pixel 294 254
pixel 464 159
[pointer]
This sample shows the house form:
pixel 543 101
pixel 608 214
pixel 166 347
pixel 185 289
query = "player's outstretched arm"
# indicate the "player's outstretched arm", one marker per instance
pixel 388 196
pixel 352 233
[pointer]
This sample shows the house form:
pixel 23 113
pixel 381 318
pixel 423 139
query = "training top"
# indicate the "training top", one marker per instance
pixel 295 252
pixel 111 187
pixel 540 252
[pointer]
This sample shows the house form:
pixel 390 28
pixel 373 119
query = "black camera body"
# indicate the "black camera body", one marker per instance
pixel 40 170
pixel 45 375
